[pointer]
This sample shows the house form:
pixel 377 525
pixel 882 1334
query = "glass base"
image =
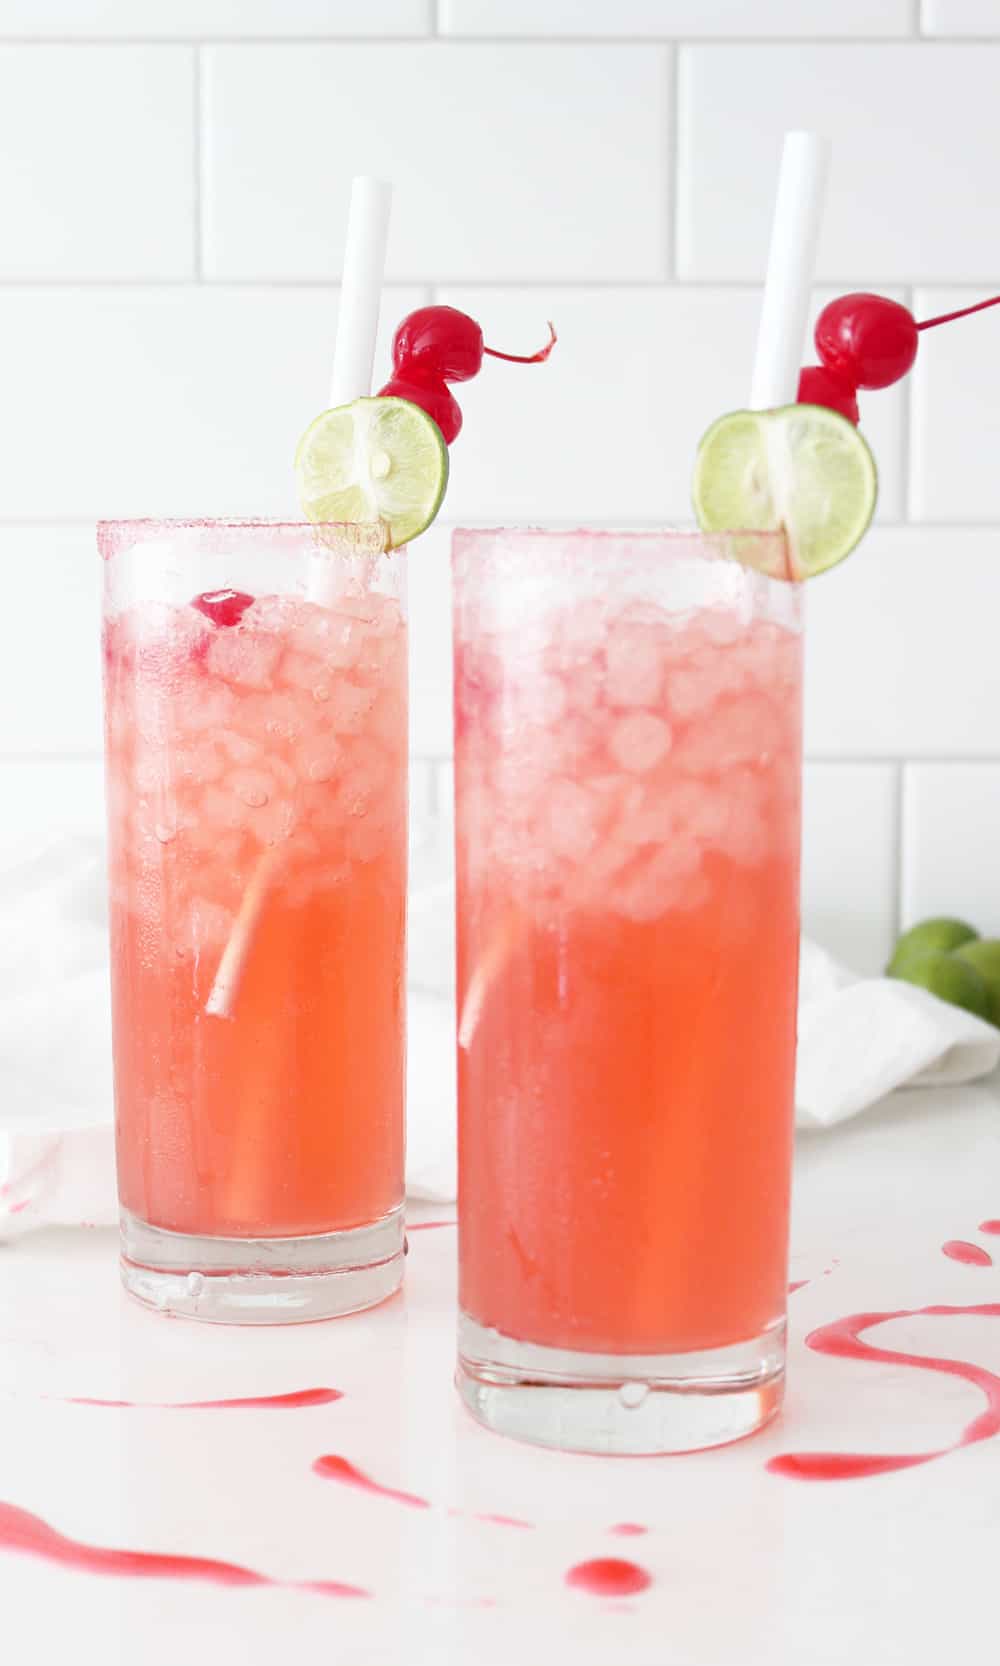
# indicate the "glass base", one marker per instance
pixel 620 1403
pixel 262 1281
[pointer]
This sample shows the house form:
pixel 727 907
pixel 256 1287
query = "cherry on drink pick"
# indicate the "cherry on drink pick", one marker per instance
pixel 866 341
pixel 437 345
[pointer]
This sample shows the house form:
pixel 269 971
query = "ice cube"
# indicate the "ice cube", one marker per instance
pixel 244 657
pixel 208 925
pixel 639 742
pixel 634 665
pixel 302 671
pixel 201 761
pixel 238 747
pixel 572 818
pixel 274 615
pixel 736 732
pixel 660 883
pixel 222 811
pixel 254 786
pixel 318 757
pixel 348 706
pixel 273 822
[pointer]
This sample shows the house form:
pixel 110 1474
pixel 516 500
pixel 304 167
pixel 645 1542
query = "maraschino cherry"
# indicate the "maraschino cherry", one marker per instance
pixel 223 607
pixel 437 345
pixel 866 341
pixel 818 385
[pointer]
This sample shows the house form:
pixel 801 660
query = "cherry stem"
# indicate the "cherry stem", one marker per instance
pixel 530 358
pixel 946 317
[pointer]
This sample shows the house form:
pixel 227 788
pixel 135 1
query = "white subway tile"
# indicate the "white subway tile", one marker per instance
pixel 50 640
pixel 849 842
pixel 214 19
pixel 956 412
pixel 173 401
pixel 510 162
pixel 607 429
pixel 960 17
pixel 96 162
pixel 901 657
pixel 429 592
pixel 45 797
pixel 663 18
pixel 951 836
pixel 915 131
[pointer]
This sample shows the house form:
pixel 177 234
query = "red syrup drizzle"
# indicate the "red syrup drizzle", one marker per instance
pixel 956 1249
pixel 609 1576
pixel 29 1534
pixel 628 1529
pixel 991 1227
pixel 300 1397
pixel 842 1340
pixel 334 1468
pixel 427 1226
pixel 798 1284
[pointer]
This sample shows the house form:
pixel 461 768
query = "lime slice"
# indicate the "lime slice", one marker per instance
pixel 374 460
pixel 802 468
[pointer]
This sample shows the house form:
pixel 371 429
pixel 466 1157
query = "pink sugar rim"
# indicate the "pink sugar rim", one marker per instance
pixel 109 532
pixel 632 534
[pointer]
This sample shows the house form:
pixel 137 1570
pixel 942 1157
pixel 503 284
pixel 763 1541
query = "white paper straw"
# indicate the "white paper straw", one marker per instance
pixel 360 289
pixel 798 209
pixel 353 356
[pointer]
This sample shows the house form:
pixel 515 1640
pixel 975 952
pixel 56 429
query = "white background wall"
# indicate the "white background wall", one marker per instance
pixel 173 187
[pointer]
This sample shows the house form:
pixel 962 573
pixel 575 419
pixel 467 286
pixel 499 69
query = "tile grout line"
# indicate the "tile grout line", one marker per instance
pixel 198 130
pixel 672 172
pixel 906 433
pixel 900 846
pixel 581 286
pixel 542 42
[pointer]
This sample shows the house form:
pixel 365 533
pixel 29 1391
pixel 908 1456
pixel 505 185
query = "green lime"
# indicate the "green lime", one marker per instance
pixel 803 468
pixel 374 460
pixel 984 954
pixel 951 979
pixel 942 932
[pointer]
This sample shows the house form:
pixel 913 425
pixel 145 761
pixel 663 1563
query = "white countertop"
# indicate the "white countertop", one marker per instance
pixel 746 1566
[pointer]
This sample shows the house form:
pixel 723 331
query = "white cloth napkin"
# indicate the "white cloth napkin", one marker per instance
pixel 858 1037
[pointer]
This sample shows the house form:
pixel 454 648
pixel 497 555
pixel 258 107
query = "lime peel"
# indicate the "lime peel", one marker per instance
pixel 801 469
pixel 375 460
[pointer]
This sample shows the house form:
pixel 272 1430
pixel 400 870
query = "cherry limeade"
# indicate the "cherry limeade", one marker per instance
pixel 627 761
pixel 256 749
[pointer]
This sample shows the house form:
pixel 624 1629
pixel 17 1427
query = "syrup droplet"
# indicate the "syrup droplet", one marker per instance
pixel 335 1468
pixel 609 1576
pixel 956 1249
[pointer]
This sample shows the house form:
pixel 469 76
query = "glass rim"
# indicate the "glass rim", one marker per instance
pixel 117 533
pixel 618 534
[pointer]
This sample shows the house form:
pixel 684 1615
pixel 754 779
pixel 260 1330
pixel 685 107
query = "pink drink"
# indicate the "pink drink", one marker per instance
pixel 257 807
pixel 627 779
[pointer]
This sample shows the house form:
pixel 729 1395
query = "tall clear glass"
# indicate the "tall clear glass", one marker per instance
pixel 627 755
pixel 256 733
